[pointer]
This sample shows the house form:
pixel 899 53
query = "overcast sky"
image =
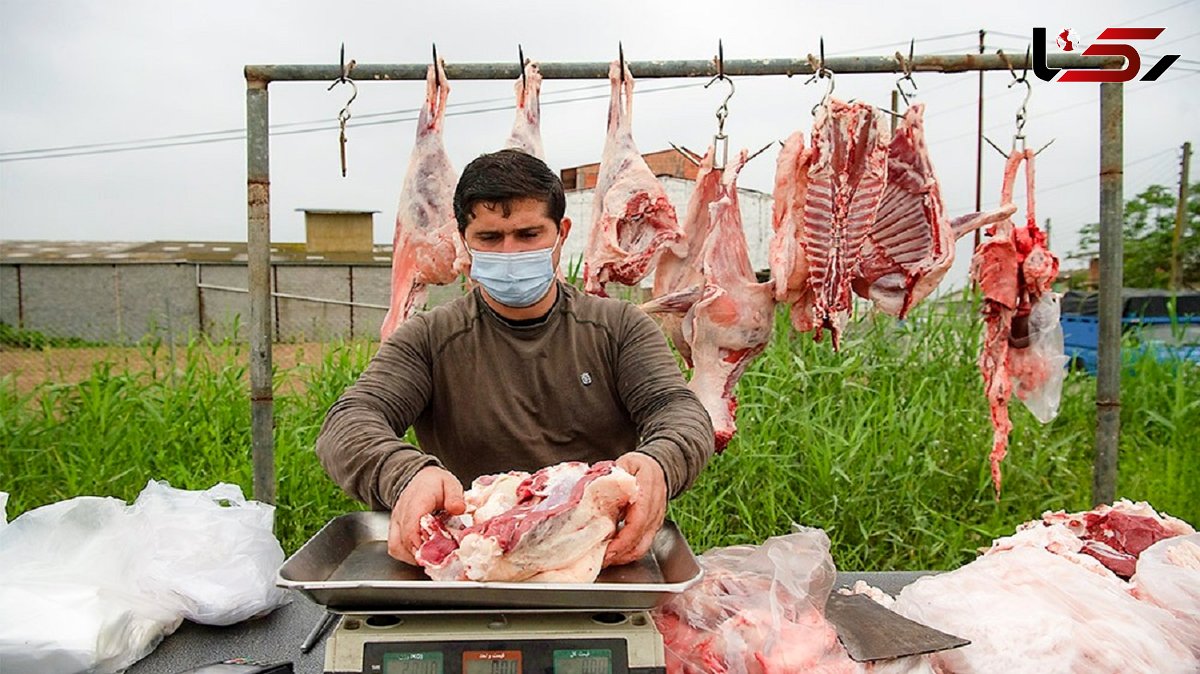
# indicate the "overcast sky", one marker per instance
pixel 94 73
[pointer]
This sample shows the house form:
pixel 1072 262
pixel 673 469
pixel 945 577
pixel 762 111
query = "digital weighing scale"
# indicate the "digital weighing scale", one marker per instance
pixel 395 620
pixel 614 642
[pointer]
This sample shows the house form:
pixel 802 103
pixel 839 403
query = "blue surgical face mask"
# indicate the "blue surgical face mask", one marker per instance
pixel 515 280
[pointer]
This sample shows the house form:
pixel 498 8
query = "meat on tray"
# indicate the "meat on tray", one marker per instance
pixel 425 244
pixel 526 132
pixel 552 526
pixel 631 215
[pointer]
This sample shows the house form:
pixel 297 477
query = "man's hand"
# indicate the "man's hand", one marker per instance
pixel 430 490
pixel 645 516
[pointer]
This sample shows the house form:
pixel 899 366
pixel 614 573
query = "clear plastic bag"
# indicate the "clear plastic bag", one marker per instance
pixel 1038 371
pixel 92 584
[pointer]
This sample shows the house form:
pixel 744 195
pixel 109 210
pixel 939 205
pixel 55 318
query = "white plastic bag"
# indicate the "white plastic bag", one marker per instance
pixel 92 584
pixel 1038 371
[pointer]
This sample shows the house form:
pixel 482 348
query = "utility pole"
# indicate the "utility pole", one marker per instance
pixel 1180 214
pixel 1048 241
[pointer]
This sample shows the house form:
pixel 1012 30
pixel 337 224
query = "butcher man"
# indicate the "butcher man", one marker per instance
pixel 523 372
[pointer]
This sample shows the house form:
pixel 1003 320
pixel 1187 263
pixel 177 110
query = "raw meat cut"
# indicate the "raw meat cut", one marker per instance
pixel 631 215
pixel 426 243
pixel 786 256
pixel 731 323
pixel 911 245
pixel 846 177
pixel 1115 535
pixel 526 132
pixel 680 266
pixel 1014 270
pixel 551 526
pixel 1039 601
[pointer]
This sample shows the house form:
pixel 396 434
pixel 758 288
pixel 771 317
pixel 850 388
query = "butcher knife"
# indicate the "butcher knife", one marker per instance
pixel 869 631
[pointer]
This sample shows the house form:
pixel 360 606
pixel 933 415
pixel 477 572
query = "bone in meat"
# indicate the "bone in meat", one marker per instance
pixel 425 244
pixel 526 132
pixel 631 215
pixel 845 183
pixel 731 323
pixel 786 257
pixel 911 245
pixel 1013 269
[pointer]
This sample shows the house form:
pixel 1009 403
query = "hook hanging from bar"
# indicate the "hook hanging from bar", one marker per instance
pixel 344 114
pixel 437 78
pixel 820 71
pixel 621 58
pixel 906 66
pixel 521 66
pixel 720 140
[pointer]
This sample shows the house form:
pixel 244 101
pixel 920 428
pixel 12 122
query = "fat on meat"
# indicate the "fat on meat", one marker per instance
pixel 1168 575
pixel 846 177
pixel 730 325
pixel 526 132
pixel 551 526
pixel 910 247
pixel 786 255
pixel 679 272
pixel 1037 601
pixel 1014 270
pixel 632 218
pixel 426 248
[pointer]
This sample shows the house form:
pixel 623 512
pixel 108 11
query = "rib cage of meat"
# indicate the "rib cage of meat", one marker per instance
pixel 910 247
pixel 731 323
pixel 786 256
pixel 845 183
pixel 425 244
pixel 526 132
pixel 1013 269
pixel 631 215
pixel 680 267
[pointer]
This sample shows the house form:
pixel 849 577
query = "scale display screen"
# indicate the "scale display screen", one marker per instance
pixel 492 662
pixel 583 661
pixel 427 662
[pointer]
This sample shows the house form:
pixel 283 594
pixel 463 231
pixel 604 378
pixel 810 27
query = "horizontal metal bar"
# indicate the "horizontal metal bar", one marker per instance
pixel 289 296
pixel 652 69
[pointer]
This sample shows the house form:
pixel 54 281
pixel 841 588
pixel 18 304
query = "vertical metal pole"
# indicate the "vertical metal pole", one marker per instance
pixel 1108 379
pixel 258 202
pixel 979 147
pixel 895 108
pixel 1180 215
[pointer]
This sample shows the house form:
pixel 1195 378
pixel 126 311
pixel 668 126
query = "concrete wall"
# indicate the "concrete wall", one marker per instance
pixel 10 310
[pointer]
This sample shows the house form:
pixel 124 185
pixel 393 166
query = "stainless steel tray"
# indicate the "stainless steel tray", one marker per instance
pixel 345 567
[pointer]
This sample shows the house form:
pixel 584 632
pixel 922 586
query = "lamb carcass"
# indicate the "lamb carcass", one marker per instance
pixel 551 526
pixel 526 132
pixel 1022 349
pixel 631 215
pixel 786 256
pixel 846 177
pixel 911 245
pixel 731 323
pixel 680 266
pixel 425 244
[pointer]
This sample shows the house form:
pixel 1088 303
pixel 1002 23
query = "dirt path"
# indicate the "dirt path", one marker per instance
pixel 31 367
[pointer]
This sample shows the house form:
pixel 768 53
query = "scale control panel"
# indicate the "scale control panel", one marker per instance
pixel 521 643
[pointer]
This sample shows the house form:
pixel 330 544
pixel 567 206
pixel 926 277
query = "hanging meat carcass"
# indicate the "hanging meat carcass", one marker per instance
pixel 1023 343
pixel 786 256
pixel 526 132
pixel 846 177
pixel 631 215
pixel 679 272
pixel 731 323
pixel 911 245
pixel 426 242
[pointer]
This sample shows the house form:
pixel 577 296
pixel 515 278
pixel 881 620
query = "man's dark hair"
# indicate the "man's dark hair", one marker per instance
pixel 502 177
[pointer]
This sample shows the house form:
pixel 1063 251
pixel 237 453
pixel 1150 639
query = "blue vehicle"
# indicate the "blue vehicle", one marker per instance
pixel 1159 321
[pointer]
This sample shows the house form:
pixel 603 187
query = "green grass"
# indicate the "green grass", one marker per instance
pixel 884 445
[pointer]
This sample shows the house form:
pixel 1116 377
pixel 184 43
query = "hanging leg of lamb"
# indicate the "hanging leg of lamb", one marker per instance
pixel 680 265
pixel 1014 270
pixel 526 132
pixel 911 245
pixel 631 215
pixel 426 242
pixel 551 526
pixel 845 183
pixel 786 256
pixel 731 323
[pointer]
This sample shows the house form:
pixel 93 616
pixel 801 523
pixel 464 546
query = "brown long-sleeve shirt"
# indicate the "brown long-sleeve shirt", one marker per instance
pixel 591 382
